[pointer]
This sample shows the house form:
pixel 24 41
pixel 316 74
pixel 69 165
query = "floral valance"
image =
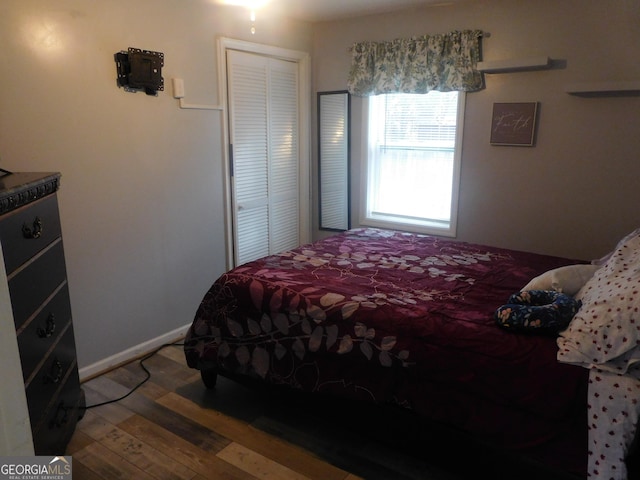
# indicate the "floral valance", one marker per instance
pixel 443 62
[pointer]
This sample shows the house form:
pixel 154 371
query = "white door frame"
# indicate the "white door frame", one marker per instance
pixel 303 60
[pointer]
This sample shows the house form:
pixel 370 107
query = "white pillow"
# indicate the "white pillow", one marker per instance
pixel 606 330
pixel 568 280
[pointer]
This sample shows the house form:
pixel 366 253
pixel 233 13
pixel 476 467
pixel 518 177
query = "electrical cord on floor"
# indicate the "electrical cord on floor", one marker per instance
pixel 147 376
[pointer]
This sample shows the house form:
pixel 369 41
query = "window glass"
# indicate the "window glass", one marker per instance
pixel 413 161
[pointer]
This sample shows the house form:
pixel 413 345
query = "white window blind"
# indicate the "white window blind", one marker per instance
pixel 419 120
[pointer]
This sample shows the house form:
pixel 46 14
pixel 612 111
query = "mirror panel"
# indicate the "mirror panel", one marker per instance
pixel 333 160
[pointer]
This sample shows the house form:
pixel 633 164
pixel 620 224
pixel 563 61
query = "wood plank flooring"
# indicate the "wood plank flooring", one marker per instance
pixel 172 427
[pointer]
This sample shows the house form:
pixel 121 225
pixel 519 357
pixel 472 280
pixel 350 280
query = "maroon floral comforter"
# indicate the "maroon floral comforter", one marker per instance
pixel 403 319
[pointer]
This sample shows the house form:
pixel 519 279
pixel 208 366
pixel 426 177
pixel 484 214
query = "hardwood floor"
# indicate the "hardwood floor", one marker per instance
pixel 172 427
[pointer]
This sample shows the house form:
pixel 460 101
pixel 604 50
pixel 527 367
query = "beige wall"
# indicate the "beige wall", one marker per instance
pixel 577 191
pixel 142 190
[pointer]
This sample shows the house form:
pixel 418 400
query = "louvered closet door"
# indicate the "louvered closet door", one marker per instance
pixel 263 120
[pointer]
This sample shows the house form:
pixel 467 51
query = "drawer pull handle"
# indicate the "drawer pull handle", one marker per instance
pixel 35 232
pixel 55 373
pixel 61 417
pixel 49 328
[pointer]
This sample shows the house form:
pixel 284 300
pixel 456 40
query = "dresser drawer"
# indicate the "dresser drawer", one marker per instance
pixel 51 436
pixel 47 381
pixel 27 230
pixel 31 286
pixel 41 333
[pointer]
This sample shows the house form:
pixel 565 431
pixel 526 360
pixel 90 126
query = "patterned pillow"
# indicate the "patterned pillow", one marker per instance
pixel 537 311
pixel 606 331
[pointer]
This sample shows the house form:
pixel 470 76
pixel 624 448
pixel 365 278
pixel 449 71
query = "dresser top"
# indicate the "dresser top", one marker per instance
pixel 21 188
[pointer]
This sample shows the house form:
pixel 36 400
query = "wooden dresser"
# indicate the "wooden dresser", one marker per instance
pixel 31 239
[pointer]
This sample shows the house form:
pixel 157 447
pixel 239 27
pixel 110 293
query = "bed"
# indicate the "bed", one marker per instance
pixel 409 321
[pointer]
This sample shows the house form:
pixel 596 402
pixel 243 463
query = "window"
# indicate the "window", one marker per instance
pixel 413 162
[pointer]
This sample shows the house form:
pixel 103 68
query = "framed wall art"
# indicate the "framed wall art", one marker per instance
pixel 514 124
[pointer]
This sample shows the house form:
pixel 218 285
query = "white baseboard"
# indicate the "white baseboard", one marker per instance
pixel 131 353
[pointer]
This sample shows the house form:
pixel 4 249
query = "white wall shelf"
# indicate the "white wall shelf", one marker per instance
pixel 604 89
pixel 515 65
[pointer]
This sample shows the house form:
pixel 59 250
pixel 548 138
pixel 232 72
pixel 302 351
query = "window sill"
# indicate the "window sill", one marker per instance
pixel 442 229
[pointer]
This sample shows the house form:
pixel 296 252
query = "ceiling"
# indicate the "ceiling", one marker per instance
pixel 322 10
pixel 325 10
